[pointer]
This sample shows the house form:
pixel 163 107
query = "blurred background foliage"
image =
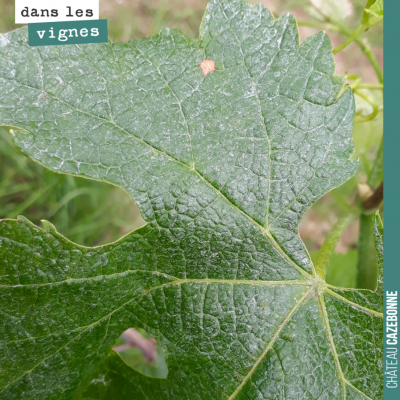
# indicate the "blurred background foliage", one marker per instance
pixel 93 213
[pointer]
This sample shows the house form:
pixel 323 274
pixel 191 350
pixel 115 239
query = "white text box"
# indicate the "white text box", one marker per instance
pixel 31 11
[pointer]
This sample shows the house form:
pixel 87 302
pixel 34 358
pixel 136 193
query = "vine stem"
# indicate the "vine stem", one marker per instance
pixel 366 275
pixel 366 266
pixel 356 34
pixel 367 51
pixel 375 175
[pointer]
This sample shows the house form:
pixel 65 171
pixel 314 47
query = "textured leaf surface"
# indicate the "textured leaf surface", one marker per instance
pixel 222 165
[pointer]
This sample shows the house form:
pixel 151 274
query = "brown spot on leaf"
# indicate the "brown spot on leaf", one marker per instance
pixel 207 66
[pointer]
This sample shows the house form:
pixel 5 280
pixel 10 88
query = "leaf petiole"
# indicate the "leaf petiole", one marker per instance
pixel 357 33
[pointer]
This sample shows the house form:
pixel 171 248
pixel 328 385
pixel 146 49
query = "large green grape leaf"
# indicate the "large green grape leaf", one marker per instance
pixel 222 157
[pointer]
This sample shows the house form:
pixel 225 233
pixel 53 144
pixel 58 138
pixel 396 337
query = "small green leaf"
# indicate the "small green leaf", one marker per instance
pixel 373 9
pixel 223 143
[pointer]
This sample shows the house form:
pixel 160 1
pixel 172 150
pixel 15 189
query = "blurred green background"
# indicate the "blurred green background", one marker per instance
pixel 92 213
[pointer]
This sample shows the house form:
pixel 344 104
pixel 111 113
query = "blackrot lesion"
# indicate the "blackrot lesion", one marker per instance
pixel 207 66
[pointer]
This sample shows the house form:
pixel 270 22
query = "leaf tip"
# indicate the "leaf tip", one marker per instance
pixel 48 226
pixel 21 218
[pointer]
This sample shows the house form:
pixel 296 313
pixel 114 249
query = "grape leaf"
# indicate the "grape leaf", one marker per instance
pixel 223 143
pixel 372 11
